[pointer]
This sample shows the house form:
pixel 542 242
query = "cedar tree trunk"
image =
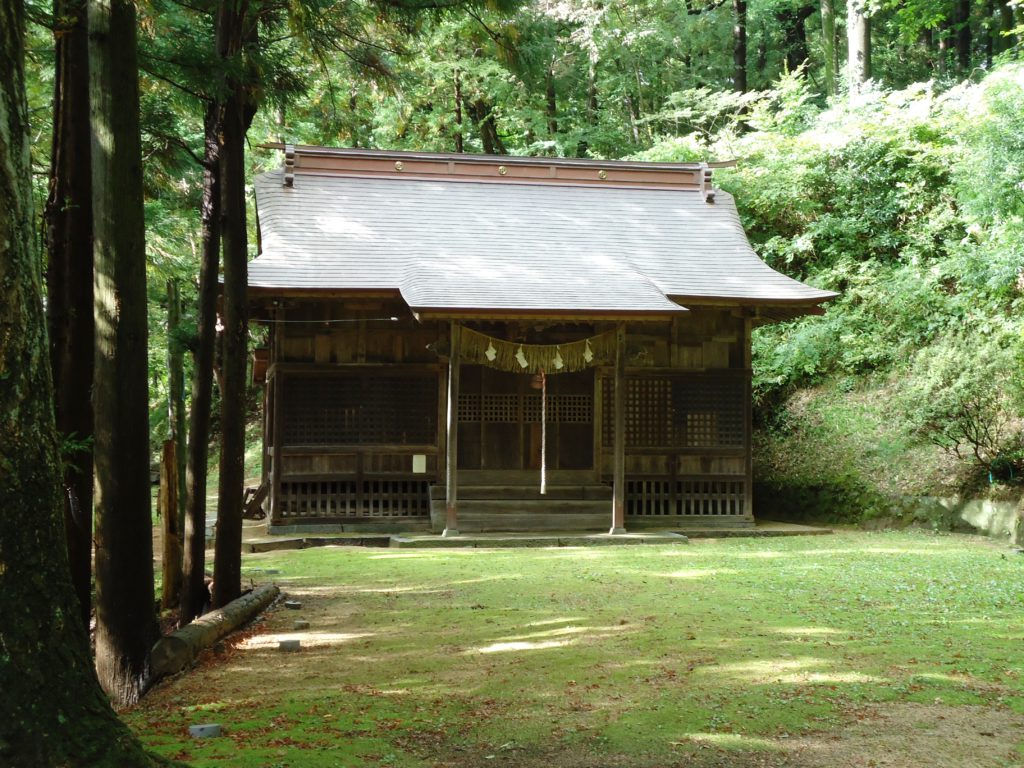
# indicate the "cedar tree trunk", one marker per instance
pixel 828 44
pixel 69 284
pixel 793 21
pixel 54 713
pixel 126 625
pixel 227 566
pixel 194 594
pixel 739 46
pixel 963 40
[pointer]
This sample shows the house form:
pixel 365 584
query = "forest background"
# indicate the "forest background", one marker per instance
pixel 880 153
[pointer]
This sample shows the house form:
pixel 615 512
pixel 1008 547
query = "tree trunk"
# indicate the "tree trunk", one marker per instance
pixel 176 393
pixel 173 508
pixel 459 140
pixel 963 40
pixel 54 713
pixel 1005 39
pixel 167 503
pixel 551 102
pixel 173 653
pixel 793 21
pixel 482 113
pixel 828 45
pixel 858 41
pixel 943 54
pixel 739 46
pixel 227 573
pixel 69 285
pixel 125 617
pixel 194 594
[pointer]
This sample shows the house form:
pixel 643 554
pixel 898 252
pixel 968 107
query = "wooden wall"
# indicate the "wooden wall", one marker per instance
pixel 687 415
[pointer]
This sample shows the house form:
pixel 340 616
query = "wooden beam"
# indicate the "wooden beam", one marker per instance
pixel 619 476
pixel 451 525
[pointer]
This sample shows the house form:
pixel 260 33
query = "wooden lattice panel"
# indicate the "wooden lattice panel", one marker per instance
pixel 469 407
pixel 689 496
pixel 679 411
pixel 562 409
pixel 377 498
pixel 513 408
pixel 365 410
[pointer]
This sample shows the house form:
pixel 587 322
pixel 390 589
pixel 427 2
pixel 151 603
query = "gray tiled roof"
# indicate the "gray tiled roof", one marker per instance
pixel 463 245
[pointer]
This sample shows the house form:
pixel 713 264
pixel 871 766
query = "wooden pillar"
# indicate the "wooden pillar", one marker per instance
pixel 619 476
pixel 275 430
pixel 451 524
pixel 748 430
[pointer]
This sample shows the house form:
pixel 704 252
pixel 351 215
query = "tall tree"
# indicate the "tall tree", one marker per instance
pixel 793 20
pixel 828 45
pixel 126 625
pixel 858 44
pixel 54 711
pixel 739 45
pixel 963 40
pixel 235 27
pixel 194 594
pixel 68 216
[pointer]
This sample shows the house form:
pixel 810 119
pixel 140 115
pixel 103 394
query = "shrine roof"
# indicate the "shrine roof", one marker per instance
pixel 465 234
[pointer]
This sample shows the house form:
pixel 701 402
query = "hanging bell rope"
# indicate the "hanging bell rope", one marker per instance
pixel 511 356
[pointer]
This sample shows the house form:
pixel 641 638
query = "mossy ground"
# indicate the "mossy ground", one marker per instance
pixel 728 652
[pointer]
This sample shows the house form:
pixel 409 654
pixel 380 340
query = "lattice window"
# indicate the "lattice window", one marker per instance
pixel 691 497
pixel 562 409
pixel 679 411
pixel 500 409
pixel 701 429
pixel 367 410
pixel 710 410
pixel 469 407
pixel 505 408
pixel 351 498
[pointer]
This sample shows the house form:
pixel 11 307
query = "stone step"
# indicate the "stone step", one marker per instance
pixel 541 514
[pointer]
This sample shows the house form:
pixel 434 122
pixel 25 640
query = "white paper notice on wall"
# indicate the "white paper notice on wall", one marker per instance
pixel 419 463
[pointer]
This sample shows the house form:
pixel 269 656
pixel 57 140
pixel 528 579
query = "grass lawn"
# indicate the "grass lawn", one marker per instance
pixel 858 649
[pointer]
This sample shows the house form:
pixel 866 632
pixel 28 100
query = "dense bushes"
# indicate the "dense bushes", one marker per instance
pixel 911 205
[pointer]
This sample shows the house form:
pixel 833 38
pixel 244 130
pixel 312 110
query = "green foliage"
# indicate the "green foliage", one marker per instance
pixel 960 394
pixel 910 204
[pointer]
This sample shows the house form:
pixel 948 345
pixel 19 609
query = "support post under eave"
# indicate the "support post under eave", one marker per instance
pixel 619 471
pixel 276 441
pixel 451 523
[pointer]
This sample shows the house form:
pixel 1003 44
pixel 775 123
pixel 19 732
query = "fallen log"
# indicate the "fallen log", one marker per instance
pixel 177 650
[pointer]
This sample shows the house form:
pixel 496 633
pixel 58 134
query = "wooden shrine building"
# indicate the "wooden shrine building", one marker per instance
pixel 477 343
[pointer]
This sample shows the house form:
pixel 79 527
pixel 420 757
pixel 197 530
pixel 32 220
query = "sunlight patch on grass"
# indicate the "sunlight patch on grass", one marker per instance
pixel 522 645
pixel 830 677
pixel 807 631
pixel 310 639
pixel 698 573
pixel 546 622
pixel 562 631
pixel 733 741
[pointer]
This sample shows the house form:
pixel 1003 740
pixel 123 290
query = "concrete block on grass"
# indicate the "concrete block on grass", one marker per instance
pixel 289 645
pixel 204 730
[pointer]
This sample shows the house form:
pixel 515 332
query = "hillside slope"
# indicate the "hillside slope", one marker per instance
pixel 911 205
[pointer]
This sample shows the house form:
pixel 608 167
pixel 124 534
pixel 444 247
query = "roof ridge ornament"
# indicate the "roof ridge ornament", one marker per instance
pixel 707 188
pixel 289 165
